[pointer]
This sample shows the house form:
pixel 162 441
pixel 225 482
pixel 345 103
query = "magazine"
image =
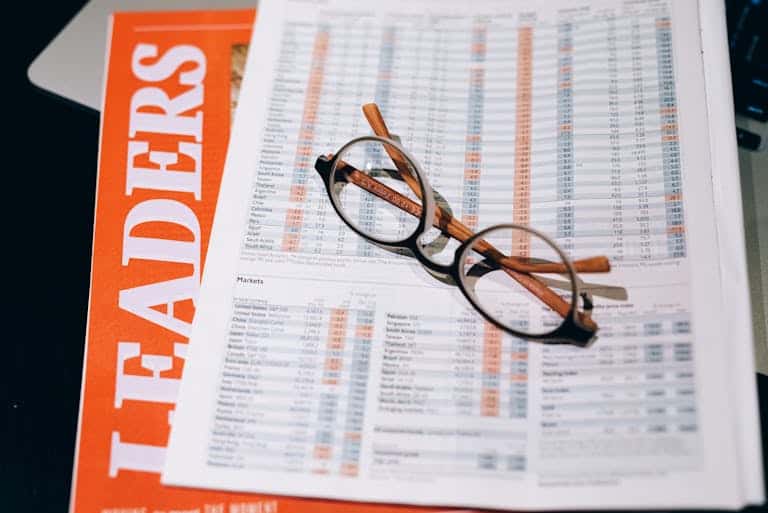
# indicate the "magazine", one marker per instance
pixel 172 84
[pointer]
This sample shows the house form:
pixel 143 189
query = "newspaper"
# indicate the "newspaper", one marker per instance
pixel 322 366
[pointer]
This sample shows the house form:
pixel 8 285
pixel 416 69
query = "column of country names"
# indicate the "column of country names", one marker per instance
pixel 292 388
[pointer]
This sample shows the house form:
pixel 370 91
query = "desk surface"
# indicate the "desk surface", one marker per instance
pixel 754 191
pixel 54 154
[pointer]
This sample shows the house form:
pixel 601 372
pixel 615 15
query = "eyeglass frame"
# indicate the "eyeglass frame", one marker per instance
pixel 570 331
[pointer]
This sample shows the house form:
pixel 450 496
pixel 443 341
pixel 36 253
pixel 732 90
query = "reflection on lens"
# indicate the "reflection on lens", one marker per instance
pixel 488 268
pixel 384 172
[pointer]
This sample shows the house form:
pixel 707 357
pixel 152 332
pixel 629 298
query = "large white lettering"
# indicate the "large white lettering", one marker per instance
pixel 147 100
pixel 171 120
pixel 136 457
pixel 141 300
pixel 162 178
pixel 154 388
pixel 168 64
pixel 159 164
pixel 166 250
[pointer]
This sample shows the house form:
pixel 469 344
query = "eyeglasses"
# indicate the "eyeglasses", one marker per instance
pixel 507 271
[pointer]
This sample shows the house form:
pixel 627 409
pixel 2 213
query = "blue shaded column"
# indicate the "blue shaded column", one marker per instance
pixel 367 214
pixel 565 228
pixel 670 149
pixel 473 141
pixel 518 376
pixel 358 384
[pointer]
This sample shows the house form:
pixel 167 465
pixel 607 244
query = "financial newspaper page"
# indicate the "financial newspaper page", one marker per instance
pixel 323 366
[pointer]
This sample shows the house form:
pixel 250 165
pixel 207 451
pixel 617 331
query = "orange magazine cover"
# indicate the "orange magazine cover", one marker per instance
pixel 171 85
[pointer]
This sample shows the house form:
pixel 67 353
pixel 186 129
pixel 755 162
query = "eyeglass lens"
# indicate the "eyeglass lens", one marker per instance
pixel 367 211
pixel 487 271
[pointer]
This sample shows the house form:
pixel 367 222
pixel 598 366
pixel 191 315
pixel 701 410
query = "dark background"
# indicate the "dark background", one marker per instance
pixel 48 175
pixel 48 183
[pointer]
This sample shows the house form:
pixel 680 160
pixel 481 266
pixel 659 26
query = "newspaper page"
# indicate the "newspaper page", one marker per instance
pixel 322 366
pixel 157 189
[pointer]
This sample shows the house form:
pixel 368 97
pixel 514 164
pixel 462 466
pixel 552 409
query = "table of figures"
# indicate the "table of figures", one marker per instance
pixel 633 400
pixel 292 387
pixel 451 392
pixel 567 125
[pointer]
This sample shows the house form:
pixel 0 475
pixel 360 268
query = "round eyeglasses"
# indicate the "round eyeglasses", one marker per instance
pixel 508 272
